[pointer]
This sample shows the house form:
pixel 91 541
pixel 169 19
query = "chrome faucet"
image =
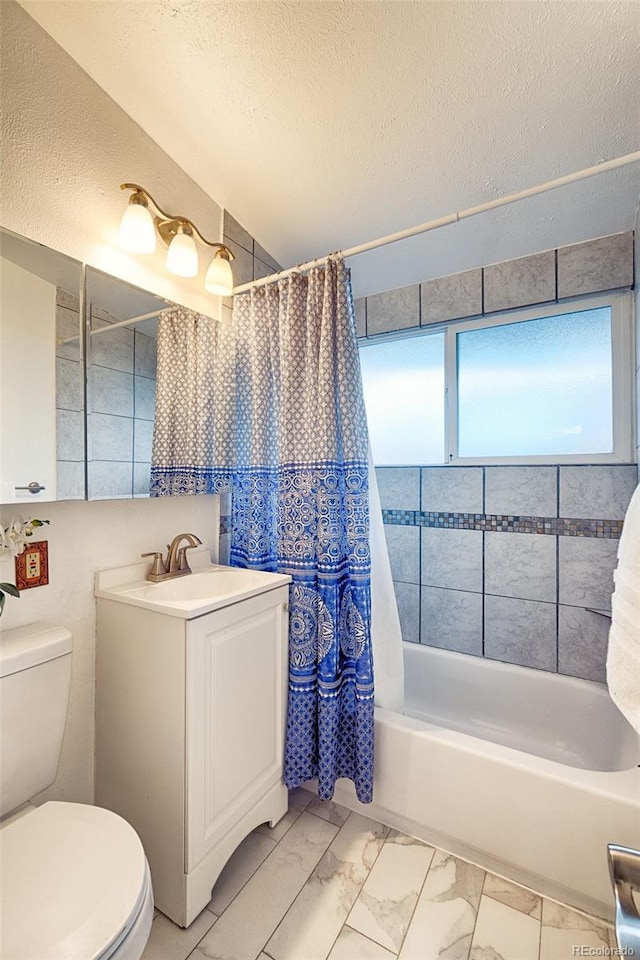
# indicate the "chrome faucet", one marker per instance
pixel 176 563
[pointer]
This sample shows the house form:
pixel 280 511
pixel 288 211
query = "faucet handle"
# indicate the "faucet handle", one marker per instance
pixel 183 563
pixel 157 567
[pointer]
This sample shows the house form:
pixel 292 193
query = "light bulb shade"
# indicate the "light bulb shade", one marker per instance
pixel 182 256
pixel 219 278
pixel 137 232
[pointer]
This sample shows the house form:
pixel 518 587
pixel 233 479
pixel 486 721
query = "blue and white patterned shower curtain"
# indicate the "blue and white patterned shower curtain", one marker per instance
pixel 292 441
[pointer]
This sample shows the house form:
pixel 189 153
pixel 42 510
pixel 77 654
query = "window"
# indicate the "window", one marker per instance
pixel 404 395
pixel 540 386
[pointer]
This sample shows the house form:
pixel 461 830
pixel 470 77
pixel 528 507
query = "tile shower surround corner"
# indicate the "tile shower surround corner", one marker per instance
pixel 329 884
pixel 507 562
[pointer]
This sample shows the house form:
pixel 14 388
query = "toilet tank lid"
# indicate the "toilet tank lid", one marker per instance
pixel 28 646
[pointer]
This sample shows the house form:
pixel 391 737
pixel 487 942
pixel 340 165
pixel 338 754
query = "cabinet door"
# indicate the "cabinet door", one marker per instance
pixel 236 700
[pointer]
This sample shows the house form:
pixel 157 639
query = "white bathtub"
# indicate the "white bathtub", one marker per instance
pixel 527 773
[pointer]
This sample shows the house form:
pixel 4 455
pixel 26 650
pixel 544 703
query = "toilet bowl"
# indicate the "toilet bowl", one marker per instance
pixel 74 879
pixel 75 885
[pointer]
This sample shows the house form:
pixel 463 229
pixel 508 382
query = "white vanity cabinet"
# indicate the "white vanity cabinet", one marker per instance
pixel 190 719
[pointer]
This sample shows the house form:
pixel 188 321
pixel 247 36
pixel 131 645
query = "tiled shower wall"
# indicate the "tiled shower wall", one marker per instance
pixel 468 578
pixel 506 562
pixel 122 390
pixel 69 399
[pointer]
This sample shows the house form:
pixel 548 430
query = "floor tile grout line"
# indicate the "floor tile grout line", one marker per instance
pixel 295 899
pixel 275 846
pixel 205 934
pixel 413 912
pixel 476 912
pixel 359 891
pixel 370 939
pixel 252 875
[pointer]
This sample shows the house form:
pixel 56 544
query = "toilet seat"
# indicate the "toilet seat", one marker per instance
pixel 75 885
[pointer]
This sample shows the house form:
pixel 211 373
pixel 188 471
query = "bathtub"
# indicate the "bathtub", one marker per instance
pixel 528 774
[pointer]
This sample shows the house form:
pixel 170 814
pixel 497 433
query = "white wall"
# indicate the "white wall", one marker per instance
pixel 637 329
pixel 67 146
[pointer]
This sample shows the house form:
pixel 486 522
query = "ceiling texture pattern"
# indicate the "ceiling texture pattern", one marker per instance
pixel 321 124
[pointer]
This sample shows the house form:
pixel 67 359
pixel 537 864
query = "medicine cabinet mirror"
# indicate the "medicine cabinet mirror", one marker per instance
pixel 42 432
pixel 121 385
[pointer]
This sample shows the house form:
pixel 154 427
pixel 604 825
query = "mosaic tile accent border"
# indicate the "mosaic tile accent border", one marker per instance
pixel 497 523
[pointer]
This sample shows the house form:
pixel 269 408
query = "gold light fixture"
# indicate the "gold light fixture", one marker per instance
pixel 138 234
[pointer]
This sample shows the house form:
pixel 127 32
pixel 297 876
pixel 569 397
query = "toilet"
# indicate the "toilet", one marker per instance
pixel 74 879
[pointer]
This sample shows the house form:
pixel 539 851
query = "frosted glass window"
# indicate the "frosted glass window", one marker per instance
pixel 404 396
pixel 538 387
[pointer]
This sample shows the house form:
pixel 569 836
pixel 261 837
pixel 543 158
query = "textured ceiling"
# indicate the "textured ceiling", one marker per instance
pixel 320 125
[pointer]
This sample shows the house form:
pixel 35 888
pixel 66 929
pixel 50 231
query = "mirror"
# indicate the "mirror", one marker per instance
pixel 42 447
pixel 121 382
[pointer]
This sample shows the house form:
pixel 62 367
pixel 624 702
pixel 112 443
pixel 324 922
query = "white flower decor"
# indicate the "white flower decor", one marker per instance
pixel 13 539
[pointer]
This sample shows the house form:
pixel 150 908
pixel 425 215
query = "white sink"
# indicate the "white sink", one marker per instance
pixel 192 595
pixel 219 582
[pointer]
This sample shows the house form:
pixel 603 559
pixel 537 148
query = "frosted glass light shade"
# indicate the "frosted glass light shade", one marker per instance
pixel 219 278
pixel 182 256
pixel 137 232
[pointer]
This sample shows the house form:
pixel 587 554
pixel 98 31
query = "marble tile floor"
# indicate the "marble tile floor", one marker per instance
pixel 329 884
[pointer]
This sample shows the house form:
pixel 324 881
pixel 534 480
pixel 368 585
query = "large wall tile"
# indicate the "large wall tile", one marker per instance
pixel 142 440
pixel 145 398
pixel 242 264
pixel 109 479
pixel 602 264
pixel 141 479
pixel 111 391
pixel 598 492
pixel 261 254
pixel 69 386
pixel 235 231
pixel 110 438
pixel 453 297
pixel 451 620
pixel 520 565
pixel 399 487
pixel 360 310
pixel 70 480
pixel 145 355
pixel 403 544
pixel 113 349
pixel 393 310
pixel 582 643
pixel 519 283
pixel 408 600
pixel 69 435
pixel 586 571
pixel 260 269
pixel 452 558
pixel 452 489
pixel 67 328
pixel 520 631
pixel 521 491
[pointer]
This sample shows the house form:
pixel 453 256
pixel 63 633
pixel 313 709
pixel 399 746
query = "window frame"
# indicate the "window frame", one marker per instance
pixel 622 371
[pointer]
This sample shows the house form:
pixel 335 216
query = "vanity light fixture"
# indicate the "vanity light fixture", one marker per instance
pixel 138 234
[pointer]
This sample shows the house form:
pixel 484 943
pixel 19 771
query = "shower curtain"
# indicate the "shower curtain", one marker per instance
pixel 276 410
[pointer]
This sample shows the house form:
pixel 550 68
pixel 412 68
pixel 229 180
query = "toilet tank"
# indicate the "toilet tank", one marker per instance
pixel 35 675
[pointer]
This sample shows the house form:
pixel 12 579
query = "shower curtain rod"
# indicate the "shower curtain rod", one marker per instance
pixel 112 326
pixel 451 218
pixel 127 323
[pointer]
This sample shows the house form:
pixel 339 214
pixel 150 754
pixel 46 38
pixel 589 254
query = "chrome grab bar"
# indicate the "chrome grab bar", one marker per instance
pixel 624 869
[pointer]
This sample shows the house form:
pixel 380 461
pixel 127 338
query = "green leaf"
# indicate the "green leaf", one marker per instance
pixel 9 588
